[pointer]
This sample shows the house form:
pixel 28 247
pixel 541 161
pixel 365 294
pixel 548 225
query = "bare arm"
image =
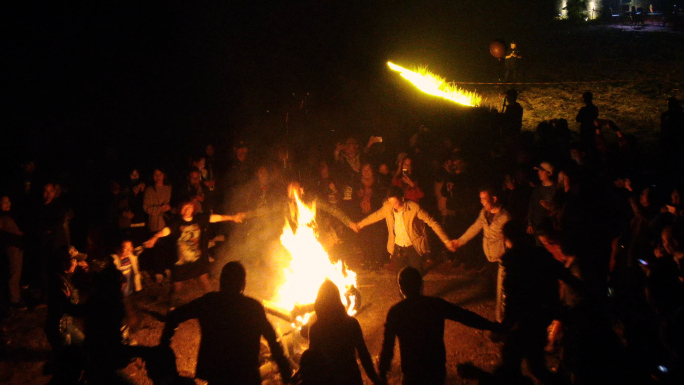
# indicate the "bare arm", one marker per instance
pixel 213 218
pixel 162 233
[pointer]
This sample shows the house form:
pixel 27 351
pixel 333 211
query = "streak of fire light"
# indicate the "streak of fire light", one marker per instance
pixel 436 85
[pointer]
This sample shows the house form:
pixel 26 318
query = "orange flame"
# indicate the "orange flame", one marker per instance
pixel 310 265
pixel 436 85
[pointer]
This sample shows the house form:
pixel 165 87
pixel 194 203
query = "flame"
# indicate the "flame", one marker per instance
pixel 436 85
pixel 310 265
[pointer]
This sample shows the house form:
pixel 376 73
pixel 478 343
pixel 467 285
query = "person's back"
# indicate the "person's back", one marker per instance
pixel 231 325
pixel 231 329
pixel 418 322
pixel 586 116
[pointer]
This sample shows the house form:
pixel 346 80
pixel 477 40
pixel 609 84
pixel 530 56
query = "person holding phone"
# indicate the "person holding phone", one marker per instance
pixel 405 179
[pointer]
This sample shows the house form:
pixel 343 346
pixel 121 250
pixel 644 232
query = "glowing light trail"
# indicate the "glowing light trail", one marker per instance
pixel 436 85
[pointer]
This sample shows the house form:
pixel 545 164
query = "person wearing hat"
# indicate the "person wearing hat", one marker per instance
pixel 542 194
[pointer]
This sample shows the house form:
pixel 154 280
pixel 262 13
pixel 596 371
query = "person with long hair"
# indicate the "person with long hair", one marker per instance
pixel 405 179
pixel 336 339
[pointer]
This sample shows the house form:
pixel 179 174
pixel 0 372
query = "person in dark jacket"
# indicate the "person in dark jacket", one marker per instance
pixel 232 325
pixel 532 303
pixel 418 322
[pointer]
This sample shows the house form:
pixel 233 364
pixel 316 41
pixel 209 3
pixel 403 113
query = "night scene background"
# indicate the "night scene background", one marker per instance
pixel 84 77
pixel 95 89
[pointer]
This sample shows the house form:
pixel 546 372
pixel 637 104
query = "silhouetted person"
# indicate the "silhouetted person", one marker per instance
pixel 532 303
pixel 672 132
pixel 418 322
pixel 513 58
pixel 586 117
pixel 512 115
pixel 232 326
pixel 64 336
pixel 336 338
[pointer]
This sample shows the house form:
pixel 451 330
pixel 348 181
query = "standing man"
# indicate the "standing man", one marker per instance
pixel 586 117
pixel 418 322
pixel 232 325
pixel 491 220
pixel 513 58
pixel 189 232
pixel 407 242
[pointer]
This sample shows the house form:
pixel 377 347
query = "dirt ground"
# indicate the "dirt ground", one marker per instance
pixel 649 65
pixel 24 359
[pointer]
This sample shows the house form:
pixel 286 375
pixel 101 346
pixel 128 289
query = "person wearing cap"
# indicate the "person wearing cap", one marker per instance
pixel 542 194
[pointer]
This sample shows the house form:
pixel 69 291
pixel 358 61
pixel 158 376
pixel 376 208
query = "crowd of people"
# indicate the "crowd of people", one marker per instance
pixel 582 234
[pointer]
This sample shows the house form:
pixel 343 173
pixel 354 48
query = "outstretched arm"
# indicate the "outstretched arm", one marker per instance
pixel 468 318
pixel 369 220
pixel 472 231
pixel 162 233
pixel 176 317
pixel 334 211
pixel 213 218
pixel 452 245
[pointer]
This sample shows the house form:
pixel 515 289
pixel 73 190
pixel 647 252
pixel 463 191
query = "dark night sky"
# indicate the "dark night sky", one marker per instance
pixel 91 74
